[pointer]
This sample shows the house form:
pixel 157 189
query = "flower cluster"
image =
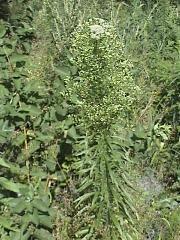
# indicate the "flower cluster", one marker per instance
pixel 96 31
pixel 104 85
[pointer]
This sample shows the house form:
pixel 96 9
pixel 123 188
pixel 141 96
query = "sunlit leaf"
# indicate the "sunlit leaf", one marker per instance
pixel 9 185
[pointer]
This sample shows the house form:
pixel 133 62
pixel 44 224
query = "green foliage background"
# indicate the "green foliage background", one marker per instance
pixel 69 175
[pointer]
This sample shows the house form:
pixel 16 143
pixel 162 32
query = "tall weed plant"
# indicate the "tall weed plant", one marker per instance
pixel 102 93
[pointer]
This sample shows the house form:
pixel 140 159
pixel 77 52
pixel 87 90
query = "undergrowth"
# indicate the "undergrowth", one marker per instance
pixel 89 124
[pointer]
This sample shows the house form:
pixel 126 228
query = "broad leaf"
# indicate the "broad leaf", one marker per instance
pixel 3 163
pixel 42 234
pixel 9 185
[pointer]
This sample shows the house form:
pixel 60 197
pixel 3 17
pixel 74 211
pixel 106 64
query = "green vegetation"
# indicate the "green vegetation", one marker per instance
pixel 89 123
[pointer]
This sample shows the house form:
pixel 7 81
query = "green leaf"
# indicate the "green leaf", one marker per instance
pixel 3 163
pixel 6 51
pixel 33 110
pixel 19 235
pixel 40 205
pixel 72 132
pixel 35 218
pixel 140 133
pixel 43 234
pixel 61 177
pixel 17 83
pixel 84 198
pixel 3 91
pixel 74 70
pixel 18 58
pixel 19 139
pixel 7 201
pixel 4 74
pixel 33 146
pixel 61 111
pixel 84 186
pixel 7 223
pixel 51 165
pixel 44 137
pixel 38 172
pixel 116 224
pixel 82 232
pixel 11 186
pixel 45 221
pixel 19 206
pixel 62 71
pixel 2 30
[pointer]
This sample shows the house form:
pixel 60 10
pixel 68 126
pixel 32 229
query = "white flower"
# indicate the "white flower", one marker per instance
pixel 96 31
